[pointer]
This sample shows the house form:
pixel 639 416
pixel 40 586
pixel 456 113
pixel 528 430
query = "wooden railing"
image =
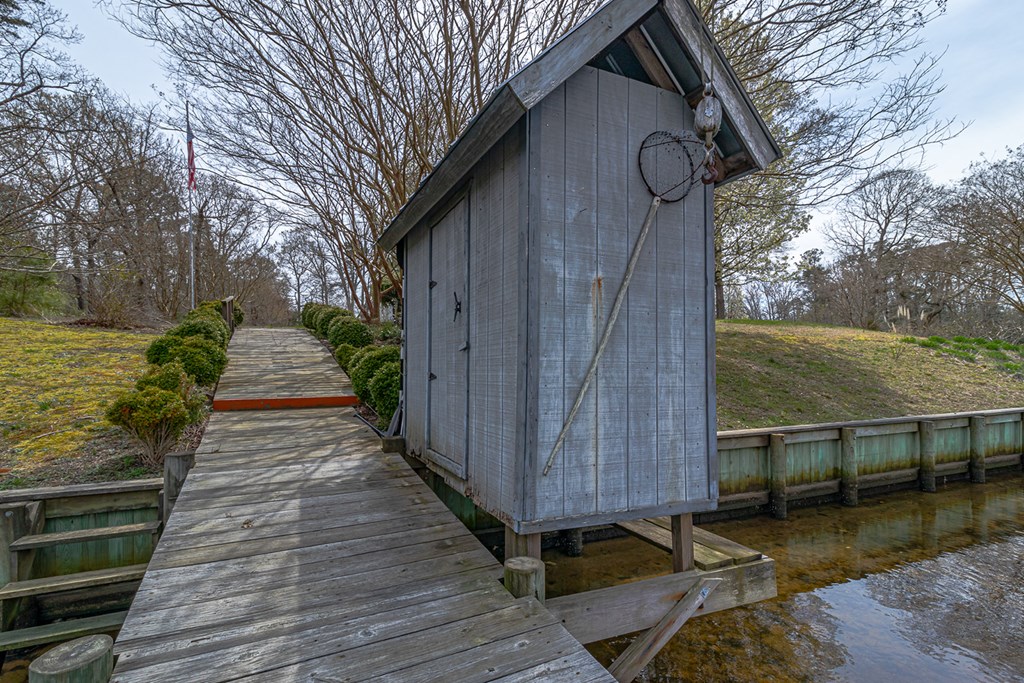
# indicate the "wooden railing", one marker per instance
pixel 227 311
pixel 769 468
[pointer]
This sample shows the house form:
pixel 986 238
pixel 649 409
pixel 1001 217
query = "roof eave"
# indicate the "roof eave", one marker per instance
pixel 748 125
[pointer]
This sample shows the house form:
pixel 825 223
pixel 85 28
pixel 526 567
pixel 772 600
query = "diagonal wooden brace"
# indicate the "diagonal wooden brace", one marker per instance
pixel 634 658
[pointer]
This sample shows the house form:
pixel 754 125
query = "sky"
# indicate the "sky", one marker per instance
pixel 981 68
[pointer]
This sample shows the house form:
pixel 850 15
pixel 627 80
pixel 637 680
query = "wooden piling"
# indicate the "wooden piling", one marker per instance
pixel 9 534
pixel 85 660
pixel 524 576
pixel 527 545
pixel 682 542
pixel 926 470
pixel 848 485
pixel 977 467
pixel 176 467
pixel 777 475
pixel 572 542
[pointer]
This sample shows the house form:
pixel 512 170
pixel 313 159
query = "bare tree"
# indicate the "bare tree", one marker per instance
pixel 985 213
pixel 820 74
pixel 339 109
pixel 32 70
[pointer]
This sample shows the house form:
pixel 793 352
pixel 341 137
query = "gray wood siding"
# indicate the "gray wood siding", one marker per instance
pixel 416 334
pixel 640 439
pixel 494 330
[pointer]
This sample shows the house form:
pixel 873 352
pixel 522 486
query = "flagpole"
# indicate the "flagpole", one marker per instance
pixel 190 185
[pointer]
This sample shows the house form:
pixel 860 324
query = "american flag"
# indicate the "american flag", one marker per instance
pixel 191 151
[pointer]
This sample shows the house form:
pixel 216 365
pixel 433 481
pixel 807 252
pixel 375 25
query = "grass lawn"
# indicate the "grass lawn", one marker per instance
pixel 783 374
pixel 56 383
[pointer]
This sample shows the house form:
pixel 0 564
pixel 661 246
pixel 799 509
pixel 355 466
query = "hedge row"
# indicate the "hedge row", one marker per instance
pixel 336 325
pixel 199 343
pixel 166 399
pixel 375 371
pixel 376 374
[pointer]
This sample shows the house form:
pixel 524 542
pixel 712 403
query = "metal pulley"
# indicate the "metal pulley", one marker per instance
pixel 707 121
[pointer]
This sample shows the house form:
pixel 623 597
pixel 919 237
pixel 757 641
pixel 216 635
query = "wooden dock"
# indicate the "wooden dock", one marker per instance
pixel 281 368
pixel 297 551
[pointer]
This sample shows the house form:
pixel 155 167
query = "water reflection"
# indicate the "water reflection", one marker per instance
pixel 907 587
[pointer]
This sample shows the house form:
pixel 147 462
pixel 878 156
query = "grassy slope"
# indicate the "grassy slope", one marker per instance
pixel 778 374
pixel 55 383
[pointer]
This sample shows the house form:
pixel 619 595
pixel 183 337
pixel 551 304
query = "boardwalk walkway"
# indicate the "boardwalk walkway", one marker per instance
pixel 297 551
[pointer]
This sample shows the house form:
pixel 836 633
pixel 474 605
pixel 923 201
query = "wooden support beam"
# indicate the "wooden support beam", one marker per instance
pixel 649 60
pixel 926 472
pixel 703 557
pixel 777 467
pixel 634 658
pixel 86 660
pixel 524 577
pixel 521 545
pixel 978 448
pixel 682 542
pixel 848 483
pixel 625 608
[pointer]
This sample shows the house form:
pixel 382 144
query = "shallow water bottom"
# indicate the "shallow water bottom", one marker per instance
pixel 909 587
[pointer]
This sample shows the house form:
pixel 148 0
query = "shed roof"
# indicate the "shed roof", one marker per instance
pixel 664 36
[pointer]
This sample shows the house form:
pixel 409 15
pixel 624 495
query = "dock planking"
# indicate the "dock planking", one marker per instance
pixel 293 371
pixel 297 551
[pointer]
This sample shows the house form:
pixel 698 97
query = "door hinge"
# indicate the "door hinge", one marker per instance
pixel 433 284
pixel 431 377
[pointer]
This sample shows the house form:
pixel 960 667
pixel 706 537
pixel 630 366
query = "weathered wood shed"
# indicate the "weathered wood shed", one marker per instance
pixel 513 250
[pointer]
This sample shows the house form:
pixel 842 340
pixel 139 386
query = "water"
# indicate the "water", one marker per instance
pixel 907 587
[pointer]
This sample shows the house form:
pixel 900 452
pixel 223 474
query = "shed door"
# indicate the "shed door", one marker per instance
pixel 448 385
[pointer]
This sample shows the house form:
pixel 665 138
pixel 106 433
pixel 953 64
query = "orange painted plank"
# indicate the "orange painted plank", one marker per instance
pixel 289 402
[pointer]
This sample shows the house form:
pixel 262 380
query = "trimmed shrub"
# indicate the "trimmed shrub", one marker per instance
pixel 159 351
pixel 308 309
pixel 347 330
pixel 384 389
pixel 343 353
pixel 354 359
pixel 154 416
pixel 367 367
pixel 315 319
pixel 389 333
pixel 217 332
pixel 172 377
pixel 324 320
pixel 202 359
